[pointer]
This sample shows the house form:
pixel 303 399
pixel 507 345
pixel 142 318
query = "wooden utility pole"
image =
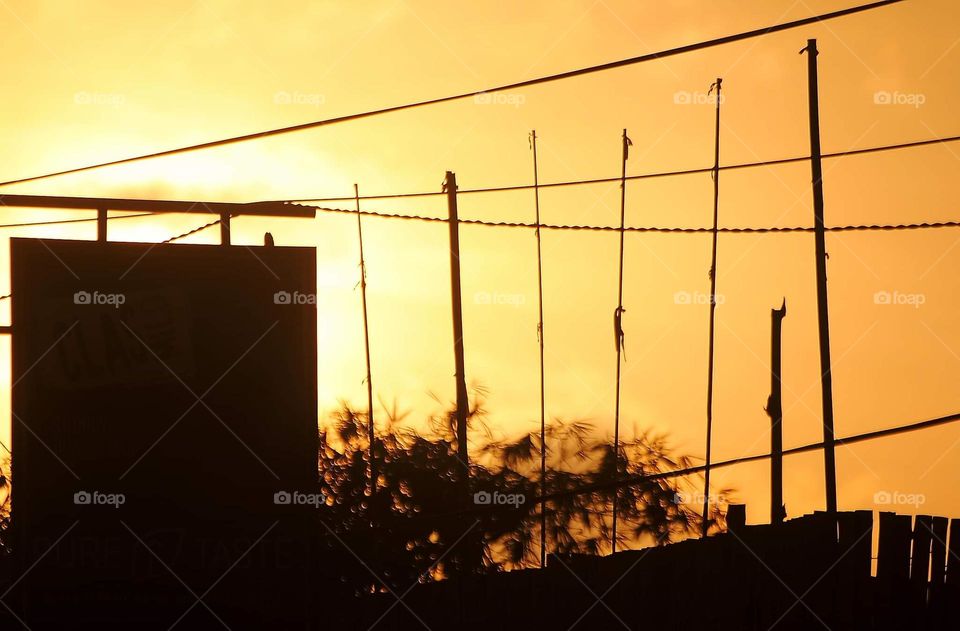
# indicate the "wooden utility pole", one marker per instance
pixel 823 317
pixel 705 526
pixel 450 186
pixel 371 433
pixel 618 337
pixel 224 228
pixel 543 398
pixel 101 224
pixel 775 411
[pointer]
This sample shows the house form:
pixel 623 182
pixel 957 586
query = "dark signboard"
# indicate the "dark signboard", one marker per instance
pixel 165 432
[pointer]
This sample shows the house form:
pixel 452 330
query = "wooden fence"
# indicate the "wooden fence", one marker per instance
pixel 808 573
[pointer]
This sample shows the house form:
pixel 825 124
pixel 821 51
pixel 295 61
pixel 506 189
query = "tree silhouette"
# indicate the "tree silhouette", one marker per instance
pixel 423 523
pixel 5 507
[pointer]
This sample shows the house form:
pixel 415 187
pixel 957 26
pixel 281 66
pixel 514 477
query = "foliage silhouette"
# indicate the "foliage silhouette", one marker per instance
pixel 5 507
pixel 422 524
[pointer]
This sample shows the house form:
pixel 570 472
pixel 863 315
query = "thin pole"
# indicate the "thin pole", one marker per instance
pixel 713 309
pixel 371 436
pixel 543 398
pixel 823 313
pixel 618 332
pixel 224 228
pixel 775 411
pixel 101 224
pixel 450 186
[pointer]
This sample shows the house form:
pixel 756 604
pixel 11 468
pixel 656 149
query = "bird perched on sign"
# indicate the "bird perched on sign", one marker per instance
pixel 268 239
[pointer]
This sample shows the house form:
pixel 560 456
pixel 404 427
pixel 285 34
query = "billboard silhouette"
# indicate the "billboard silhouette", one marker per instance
pixel 165 429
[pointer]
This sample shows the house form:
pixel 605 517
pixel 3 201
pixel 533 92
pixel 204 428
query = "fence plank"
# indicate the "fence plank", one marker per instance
pixel 893 563
pixel 938 559
pixel 736 517
pixel 920 562
pixel 893 571
pixel 952 589
pixel 853 569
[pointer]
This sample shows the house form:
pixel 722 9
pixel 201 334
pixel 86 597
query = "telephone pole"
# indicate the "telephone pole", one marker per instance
pixel 371 428
pixel 543 398
pixel 823 313
pixel 618 334
pixel 450 186
pixel 775 411
pixel 705 526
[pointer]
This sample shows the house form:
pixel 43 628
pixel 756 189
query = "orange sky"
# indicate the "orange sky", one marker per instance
pixel 91 81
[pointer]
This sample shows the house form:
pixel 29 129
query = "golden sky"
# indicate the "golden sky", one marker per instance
pixel 92 81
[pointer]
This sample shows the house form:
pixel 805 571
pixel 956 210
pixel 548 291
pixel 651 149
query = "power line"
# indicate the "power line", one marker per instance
pixel 521 187
pixel 170 240
pixel 67 221
pixel 87 219
pixel 676 473
pixel 679 473
pixel 668 229
pixel 849 440
pixel 463 95
pixel 194 231
pixel 543 226
pixel 646 176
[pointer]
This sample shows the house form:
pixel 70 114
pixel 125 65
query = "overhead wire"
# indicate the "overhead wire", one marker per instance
pixel 27 224
pixel 644 176
pixel 667 229
pixel 194 231
pixel 473 93
pixel 632 480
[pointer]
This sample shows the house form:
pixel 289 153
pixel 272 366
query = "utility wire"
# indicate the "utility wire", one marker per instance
pixel 455 97
pixel 600 487
pixel 674 229
pixel 546 226
pixel 850 440
pixel 194 231
pixel 519 187
pixel 645 176
pixel 27 224
pixel 170 240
